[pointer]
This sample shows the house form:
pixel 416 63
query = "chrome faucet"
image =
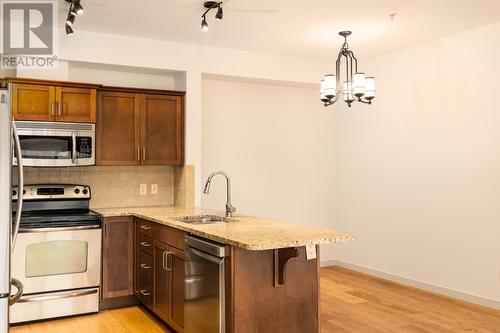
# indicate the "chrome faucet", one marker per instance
pixel 230 209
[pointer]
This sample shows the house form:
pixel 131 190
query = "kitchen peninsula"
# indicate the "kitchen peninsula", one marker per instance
pixel 271 268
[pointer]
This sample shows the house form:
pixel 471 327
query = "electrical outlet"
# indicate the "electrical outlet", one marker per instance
pixel 143 189
pixel 154 189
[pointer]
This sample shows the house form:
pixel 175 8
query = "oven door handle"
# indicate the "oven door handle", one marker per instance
pixel 60 295
pixel 19 286
pixel 86 227
pixel 73 150
pixel 20 183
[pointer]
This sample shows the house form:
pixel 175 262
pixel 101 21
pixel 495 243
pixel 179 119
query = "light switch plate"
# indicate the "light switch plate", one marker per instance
pixel 143 189
pixel 310 252
pixel 154 189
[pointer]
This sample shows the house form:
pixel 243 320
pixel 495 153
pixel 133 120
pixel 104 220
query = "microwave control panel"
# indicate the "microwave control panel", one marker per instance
pixel 84 147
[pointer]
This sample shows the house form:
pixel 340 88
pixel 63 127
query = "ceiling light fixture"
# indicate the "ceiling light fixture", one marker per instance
pixel 75 8
pixel 204 24
pixel 71 19
pixel 356 87
pixel 69 30
pixel 209 5
pixel 220 13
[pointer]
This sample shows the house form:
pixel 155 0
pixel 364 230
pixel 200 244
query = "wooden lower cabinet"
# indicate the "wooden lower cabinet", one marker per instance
pixel 159 271
pixel 117 288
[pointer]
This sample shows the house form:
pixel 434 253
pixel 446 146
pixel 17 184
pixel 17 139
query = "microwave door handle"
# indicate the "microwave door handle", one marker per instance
pixel 20 183
pixel 73 152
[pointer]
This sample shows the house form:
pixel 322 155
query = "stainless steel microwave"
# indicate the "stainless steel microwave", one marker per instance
pixel 56 144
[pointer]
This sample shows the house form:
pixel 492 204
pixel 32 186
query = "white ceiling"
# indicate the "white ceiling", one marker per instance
pixel 289 27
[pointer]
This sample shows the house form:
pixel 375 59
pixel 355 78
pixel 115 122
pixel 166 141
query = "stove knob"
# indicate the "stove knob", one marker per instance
pixel 85 191
pixel 14 193
pixel 77 191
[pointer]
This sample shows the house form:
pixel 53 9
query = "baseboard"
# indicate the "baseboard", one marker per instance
pixel 490 303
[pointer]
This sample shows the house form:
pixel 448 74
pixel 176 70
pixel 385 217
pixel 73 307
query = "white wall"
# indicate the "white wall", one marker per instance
pixel 276 142
pixel 193 60
pixel 418 173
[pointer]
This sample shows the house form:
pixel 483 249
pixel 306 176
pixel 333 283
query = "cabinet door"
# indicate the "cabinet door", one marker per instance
pixel 176 261
pixel 162 282
pixel 118 129
pixel 118 257
pixel 33 102
pixel 162 134
pixel 76 104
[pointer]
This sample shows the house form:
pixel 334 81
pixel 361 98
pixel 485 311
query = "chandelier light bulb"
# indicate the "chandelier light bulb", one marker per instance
pixel 370 88
pixel 330 85
pixel 358 84
pixel 347 91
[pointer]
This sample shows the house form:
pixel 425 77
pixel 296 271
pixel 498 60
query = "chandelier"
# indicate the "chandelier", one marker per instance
pixel 354 86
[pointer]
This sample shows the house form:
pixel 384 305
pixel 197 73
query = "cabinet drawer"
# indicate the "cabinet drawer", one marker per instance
pixel 144 292
pixel 145 227
pixel 145 244
pixel 145 266
pixel 169 236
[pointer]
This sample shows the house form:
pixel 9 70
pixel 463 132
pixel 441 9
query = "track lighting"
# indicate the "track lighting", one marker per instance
pixel 220 13
pixel 69 30
pixel 75 8
pixel 71 19
pixel 209 5
pixel 204 24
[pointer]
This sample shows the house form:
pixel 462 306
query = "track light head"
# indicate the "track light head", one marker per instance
pixel 70 20
pixel 77 7
pixel 220 13
pixel 204 24
pixel 69 30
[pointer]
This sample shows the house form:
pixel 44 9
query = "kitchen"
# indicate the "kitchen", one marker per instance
pixel 153 179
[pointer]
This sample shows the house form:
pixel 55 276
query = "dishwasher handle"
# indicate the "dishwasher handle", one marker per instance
pixel 206 256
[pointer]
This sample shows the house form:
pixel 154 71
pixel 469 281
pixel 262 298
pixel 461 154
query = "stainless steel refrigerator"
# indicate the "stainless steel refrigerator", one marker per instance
pixel 9 149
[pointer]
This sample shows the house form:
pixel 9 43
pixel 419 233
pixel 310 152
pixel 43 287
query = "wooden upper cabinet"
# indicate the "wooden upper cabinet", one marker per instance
pixel 139 128
pixel 162 130
pixel 118 128
pixel 118 257
pixel 33 102
pixel 76 104
pixel 40 100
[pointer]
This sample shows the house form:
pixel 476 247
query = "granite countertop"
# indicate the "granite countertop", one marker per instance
pixel 250 233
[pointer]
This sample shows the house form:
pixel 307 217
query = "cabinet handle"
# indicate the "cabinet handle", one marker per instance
pixel 138 153
pixel 145 244
pixel 144 292
pixel 143 153
pixel 145 227
pixel 165 261
pixel 53 111
pixel 145 266
pixel 59 109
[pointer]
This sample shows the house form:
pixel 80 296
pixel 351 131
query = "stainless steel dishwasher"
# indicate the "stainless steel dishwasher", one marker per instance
pixel 204 306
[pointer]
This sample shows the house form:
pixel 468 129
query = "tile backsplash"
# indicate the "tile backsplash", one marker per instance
pixel 113 186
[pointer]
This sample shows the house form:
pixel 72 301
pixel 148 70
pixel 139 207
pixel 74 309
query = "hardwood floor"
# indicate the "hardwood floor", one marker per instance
pixel 350 303
pixel 354 302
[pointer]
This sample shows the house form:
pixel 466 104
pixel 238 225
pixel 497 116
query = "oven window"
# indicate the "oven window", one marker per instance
pixel 46 147
pixel 56 258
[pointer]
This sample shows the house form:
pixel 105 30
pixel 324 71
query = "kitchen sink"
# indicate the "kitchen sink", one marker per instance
pixel 204 219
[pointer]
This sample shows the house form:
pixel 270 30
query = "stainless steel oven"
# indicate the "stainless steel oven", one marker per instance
pixel 55 144
pixel 57 255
